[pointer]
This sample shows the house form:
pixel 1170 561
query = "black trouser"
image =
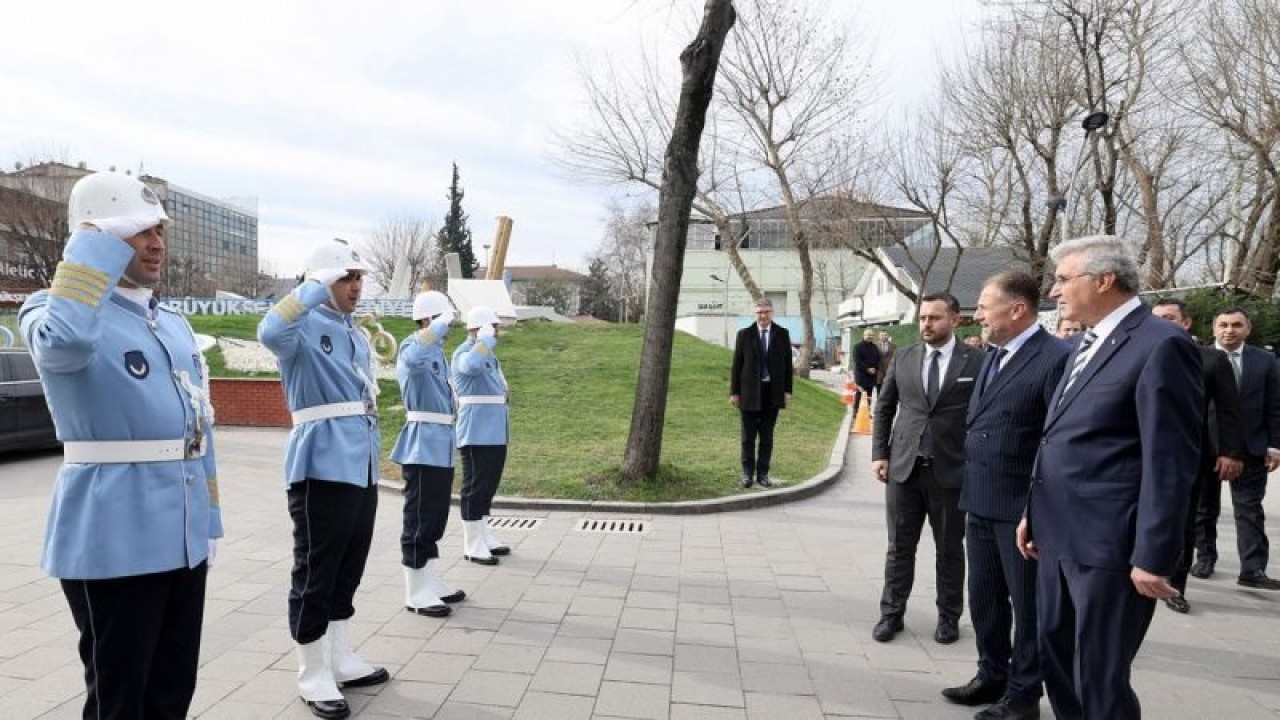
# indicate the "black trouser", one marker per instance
pixel 1247 493
pixel 1002 604
pixel 332 531
pixel 907 506
pixel 139 642
pixel 863 392
pixel 1186 557
pixel 426 512
pixel 758 423
pixel 481 472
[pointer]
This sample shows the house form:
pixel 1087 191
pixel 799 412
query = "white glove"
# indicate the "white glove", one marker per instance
pixel 213 550
pixel 440 326
pixel 328 276
pixel 125 227
pixel 487 336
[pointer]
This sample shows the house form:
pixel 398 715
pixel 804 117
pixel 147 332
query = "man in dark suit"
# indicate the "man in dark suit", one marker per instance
pixel 1221 444
pixel 917 450
pixel 1258 377
pixel 760 386
pixel 1111 483
pixel 866 368
pixel 1006 414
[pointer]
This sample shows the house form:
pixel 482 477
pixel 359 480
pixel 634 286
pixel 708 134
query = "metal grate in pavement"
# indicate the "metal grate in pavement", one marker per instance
pixel 612 526
pixel 512 522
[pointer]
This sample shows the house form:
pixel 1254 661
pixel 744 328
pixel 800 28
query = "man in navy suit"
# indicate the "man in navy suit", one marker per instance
pixel 1259 379
pixel 1221 445
pixel 1112 481
pixel 917 450
pixel 1006 414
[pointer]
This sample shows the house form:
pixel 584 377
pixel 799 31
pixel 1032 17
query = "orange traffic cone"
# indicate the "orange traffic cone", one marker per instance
pixel 846 396
pixel 862 421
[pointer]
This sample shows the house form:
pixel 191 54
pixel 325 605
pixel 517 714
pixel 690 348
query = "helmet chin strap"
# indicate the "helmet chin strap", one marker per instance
pixel 138 283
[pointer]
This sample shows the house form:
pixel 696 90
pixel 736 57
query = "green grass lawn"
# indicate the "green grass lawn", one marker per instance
pixel 572 388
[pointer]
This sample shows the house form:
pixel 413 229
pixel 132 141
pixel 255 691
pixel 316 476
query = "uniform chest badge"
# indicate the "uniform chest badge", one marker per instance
pixel 135 363
pixel 435 367
pixel 326 344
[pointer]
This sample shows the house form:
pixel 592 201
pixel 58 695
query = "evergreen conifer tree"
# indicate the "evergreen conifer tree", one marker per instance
pixel 455 236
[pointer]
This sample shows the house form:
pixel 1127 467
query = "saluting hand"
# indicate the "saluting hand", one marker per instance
pixel 328 276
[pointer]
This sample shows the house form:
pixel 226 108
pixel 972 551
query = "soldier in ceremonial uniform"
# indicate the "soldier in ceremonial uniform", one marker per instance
pixel 331 468
pixel 135 510
pixel 425 450
pixel 482 432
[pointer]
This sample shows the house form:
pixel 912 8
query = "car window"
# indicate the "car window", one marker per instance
pixel 21 367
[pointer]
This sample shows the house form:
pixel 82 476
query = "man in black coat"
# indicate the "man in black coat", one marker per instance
pixel 917 450
pixel 867 364
pixel 760 386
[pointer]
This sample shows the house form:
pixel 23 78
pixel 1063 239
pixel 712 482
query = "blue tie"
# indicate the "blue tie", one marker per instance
pixel 764 356
pixel 992 368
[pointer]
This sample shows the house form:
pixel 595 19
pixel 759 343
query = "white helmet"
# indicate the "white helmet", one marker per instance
pixel 481 315
pixel 335 254
pixel 429 304
pixel 110 195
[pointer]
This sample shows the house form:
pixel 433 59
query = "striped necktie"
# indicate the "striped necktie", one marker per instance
pixel 1082 359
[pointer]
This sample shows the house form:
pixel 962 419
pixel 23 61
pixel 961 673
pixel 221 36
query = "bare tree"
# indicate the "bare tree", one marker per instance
pixel 627 241
pixel 404 238
pixel 698 63
pixel 34 218
pixel 1235 84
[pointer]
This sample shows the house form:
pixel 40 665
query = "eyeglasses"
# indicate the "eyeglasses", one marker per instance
pixel 1064 279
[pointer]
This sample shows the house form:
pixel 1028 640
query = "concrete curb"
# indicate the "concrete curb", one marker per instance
pixel 743 501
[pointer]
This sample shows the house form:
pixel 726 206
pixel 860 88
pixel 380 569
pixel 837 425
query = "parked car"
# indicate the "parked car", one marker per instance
pixel 25 423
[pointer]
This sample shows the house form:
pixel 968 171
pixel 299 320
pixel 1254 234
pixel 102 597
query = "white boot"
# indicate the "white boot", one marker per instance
pixel 418 595
pixel 316 684
pixel 496 546
pixel 440 588
pixel 474 548
pixel 348 669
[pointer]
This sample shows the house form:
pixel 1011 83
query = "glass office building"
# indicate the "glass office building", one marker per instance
pixel 213 244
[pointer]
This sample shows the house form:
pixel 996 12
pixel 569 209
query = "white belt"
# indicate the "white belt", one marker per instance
pixel 129 451
pixel 482 400
pixel 332 410
pixel 419 416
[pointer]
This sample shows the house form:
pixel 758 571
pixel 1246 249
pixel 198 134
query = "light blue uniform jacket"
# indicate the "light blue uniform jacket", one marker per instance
pixel 476 371
pixel 110 374
pixel 424 384
pixel 324 359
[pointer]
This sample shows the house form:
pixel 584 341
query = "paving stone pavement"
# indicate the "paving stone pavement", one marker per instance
pixel 762 614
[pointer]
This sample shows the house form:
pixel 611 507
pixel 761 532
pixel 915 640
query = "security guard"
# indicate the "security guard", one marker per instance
pixel 425 450
pixel 331 468
pixel 482 432
pixel 135 507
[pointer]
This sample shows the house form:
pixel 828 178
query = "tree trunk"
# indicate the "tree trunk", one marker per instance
pixel 729 244
pixel 699 62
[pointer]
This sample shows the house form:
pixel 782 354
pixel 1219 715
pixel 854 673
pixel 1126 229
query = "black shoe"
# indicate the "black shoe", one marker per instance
pixel 1178 604
pixel 887 628
pixel 454 598
pixel 431 610
pixel 491 560
pixel 1203 569
pixel 1259 581
pixel 329 708
pixel 764 481
pixel 377 677
pixel 1008 709
pixel 747 480
pixel 500 550
pixel 978 691
pixel 948 631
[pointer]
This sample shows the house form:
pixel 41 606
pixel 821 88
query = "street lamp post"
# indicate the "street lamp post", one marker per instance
pixel 724 308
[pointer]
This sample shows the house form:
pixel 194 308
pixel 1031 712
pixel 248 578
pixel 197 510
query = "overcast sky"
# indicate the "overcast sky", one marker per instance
pixel 335 117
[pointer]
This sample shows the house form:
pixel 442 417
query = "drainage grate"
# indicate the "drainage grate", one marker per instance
pixel 509 522
pixel 612 526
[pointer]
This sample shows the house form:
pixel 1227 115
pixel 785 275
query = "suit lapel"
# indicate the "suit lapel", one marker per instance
pixel 1028 352
pixel 960 357
pixel 1101 355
